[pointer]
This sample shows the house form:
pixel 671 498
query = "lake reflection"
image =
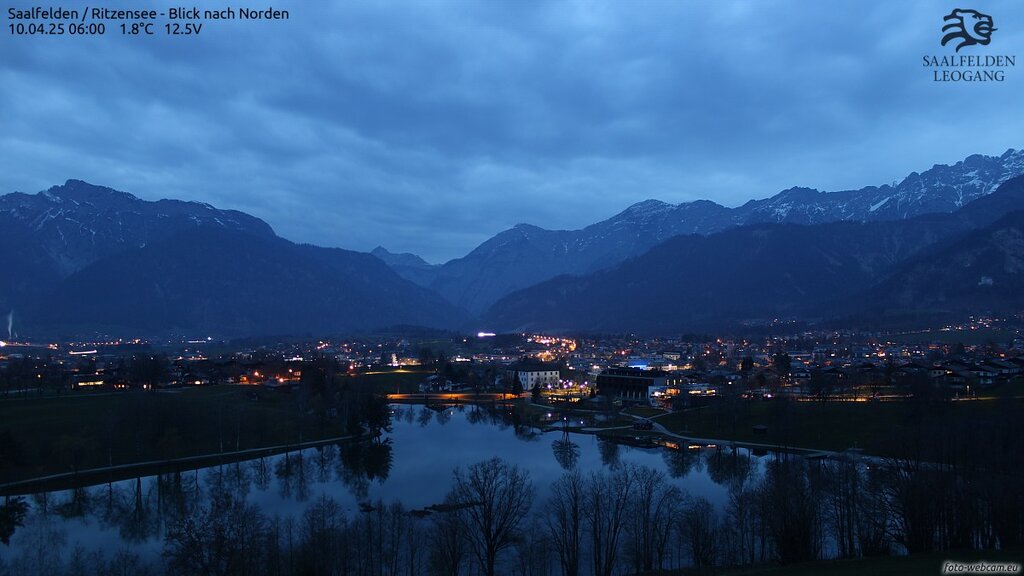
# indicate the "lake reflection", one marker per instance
pixel 413 463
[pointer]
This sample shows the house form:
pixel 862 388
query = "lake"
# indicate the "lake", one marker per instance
pixel 413 464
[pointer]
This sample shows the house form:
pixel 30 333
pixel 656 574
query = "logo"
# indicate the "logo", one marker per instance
pixel 970 27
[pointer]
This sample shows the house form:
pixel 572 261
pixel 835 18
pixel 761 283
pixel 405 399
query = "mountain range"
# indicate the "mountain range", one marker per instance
pixel 526 255
pixel 761 272
pixel 84 259
pixel 78 223
pixel 982 270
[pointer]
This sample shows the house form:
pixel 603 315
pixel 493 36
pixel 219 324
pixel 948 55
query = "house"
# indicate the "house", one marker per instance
pixel 800 377
pixel 1001 367
pixel 985 375
pixel 532 374
pixel 980 374
pixel 91 380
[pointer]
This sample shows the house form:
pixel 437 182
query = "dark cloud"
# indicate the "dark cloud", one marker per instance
pixel 430 126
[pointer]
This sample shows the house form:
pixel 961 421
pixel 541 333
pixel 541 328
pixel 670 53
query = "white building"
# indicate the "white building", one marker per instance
pixel 531 375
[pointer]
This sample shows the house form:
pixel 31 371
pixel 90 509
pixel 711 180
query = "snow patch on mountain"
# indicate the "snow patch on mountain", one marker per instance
pixel 879 204
pixel 79 223
pixel 525 255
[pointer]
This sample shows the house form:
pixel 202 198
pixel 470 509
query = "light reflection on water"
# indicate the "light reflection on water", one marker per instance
pixel 413 464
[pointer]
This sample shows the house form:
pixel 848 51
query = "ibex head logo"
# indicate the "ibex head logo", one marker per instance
pixel 969 27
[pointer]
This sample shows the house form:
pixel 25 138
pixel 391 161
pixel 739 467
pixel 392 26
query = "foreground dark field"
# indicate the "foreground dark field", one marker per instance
pixel 878 428
pixel 81 430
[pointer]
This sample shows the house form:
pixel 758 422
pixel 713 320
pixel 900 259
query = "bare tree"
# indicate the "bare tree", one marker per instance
pixel 791 510
pixel 873 533
pixel 224 538
pixel 654 502
pixel 698 528
pixel 447 545
pixel 912 489
pixel 532 552
pixel 493 499
pixel 607 508
pixel 323 526
pixel 842 484
pixel 564 520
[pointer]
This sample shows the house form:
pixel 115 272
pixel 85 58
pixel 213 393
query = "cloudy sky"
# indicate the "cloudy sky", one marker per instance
pixel 430 125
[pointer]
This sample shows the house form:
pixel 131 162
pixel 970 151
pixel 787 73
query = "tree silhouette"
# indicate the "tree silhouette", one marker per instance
pixel 493 498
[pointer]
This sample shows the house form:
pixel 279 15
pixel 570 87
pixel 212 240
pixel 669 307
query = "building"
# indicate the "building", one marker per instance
pixel 634 384
pixel 531 374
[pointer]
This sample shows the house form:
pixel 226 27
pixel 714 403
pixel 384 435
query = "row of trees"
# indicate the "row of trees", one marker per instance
pixel 47 376
pixel 625 520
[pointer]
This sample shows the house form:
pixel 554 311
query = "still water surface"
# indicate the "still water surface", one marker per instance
pixel 413 464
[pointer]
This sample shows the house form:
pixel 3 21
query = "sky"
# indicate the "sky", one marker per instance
pixel 428 126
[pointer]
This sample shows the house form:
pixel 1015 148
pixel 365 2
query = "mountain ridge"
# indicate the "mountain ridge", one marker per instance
pixel 79 222
pixel 230 282
pixel 80 258
pixel 751 273
pixel 525 254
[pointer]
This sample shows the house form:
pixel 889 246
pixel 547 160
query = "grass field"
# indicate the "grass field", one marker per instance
pixel 82 430
pixel 403 381
pixel 875 427
pixel 1012 389
pixel 644 411
pixel 60 434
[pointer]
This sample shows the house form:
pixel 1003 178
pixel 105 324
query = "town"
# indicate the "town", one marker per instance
pixel 806 409
pixel 968 361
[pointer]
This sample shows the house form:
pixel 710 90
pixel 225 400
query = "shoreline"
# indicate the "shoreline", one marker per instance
pixel 120 472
